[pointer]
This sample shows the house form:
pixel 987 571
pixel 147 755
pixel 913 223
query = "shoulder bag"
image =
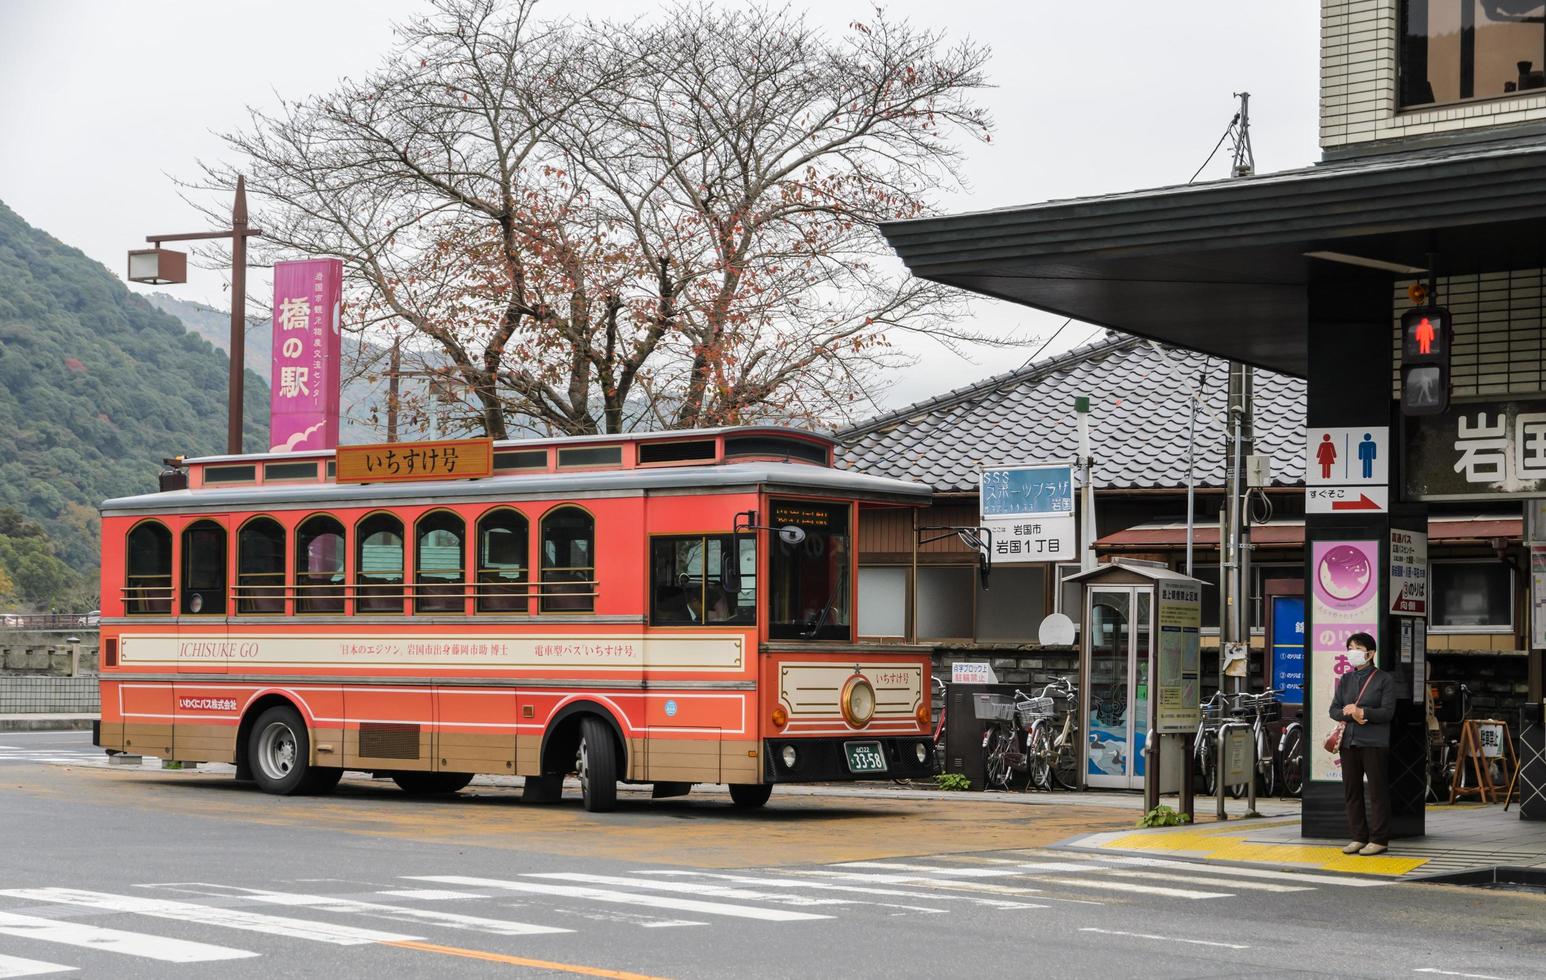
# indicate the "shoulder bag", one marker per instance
pixel 1334 740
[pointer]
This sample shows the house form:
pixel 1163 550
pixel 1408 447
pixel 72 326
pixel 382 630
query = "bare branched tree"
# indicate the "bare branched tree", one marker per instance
pixel 597 226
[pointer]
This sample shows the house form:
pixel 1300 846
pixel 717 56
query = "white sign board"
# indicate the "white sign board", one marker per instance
pixel 972 673
pixel 1408 573
pixel 1347 470
pixel 1032 539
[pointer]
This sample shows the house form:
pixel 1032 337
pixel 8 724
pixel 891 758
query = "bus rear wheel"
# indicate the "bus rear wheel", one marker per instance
pixel 278 751
pixel 431 783
pixel 596 765
pixel 750 796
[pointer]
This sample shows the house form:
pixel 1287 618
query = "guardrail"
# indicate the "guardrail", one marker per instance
pixel 49 621
pixel 49 696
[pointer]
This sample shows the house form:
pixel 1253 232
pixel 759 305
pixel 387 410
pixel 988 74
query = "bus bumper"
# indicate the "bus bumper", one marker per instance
pixel 825 760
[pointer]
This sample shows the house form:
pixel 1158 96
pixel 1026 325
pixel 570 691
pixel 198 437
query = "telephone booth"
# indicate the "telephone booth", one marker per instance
pixel 1139 668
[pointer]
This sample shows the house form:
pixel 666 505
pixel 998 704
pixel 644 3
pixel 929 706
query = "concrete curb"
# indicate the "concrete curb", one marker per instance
pixel 46 723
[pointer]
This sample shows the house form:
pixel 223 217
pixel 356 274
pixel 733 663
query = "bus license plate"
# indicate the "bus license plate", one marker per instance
pixel 865 757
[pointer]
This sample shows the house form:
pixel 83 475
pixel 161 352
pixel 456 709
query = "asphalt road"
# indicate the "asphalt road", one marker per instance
pixel 109 872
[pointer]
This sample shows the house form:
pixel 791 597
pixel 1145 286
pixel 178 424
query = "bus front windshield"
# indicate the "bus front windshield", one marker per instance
pixel 809 597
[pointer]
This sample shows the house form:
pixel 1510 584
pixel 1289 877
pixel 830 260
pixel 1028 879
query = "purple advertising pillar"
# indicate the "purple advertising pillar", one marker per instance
pixel 303 404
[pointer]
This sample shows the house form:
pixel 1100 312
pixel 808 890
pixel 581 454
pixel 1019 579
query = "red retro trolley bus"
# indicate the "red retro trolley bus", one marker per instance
pixel 666 608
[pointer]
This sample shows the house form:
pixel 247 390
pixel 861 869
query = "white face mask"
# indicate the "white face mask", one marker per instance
pixel 1358 657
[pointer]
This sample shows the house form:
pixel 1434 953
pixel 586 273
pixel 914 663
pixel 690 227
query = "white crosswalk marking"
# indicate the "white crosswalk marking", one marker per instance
pixel 431 894
pixel 683 887
pixel 1238 885
pixel 627 898
pixel 1198 867
pixel 1137 889
pixel 347 906
pixel 928 869
pixel 15 966
pixel 208 915
pixel 766 882
pixel 115 940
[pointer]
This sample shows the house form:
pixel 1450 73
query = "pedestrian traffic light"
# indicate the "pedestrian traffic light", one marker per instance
pixel 1425 340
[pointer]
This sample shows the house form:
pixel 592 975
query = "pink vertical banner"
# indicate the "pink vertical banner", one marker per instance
pixel 303 404
pixel 1344 599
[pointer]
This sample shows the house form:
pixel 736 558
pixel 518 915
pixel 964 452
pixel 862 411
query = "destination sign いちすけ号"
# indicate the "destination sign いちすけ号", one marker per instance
pixel 386 462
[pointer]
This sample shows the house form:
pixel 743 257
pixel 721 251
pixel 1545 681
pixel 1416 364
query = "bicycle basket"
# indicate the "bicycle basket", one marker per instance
pixel 1270 710
pixel 1033 708
pixel 993 707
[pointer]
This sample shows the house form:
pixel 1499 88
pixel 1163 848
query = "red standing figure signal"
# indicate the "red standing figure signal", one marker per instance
pixel 1424 336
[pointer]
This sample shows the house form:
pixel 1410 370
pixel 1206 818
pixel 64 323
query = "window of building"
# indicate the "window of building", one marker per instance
pixel 945 594
pixel 1013 605
pixel 1260 573
pixel 809 597
pixel 1471 595
pixel 378 565
pixel 568 561
pixel 260 567
pixel 319 565
pixel 1454 50
pixel 503 562
pixel 694 580
pixel 882 600
pixel 439 563
pixel 148 568
pixel 203 585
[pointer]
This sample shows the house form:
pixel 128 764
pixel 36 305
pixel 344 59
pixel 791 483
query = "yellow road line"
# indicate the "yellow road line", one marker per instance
pixel 478 954
pixel 1215 846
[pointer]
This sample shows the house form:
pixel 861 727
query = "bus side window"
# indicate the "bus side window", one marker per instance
pixel 439 563
pixel 148 571
pixel 568 561
pixel 260 567
pixel 203 585
pixel 319 565
pixel 378 565
pixel 502 557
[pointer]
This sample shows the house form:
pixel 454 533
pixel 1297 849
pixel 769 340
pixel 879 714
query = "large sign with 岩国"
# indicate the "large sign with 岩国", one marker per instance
pixel 1477 450
pixel 303 399
pixel 1030 510
pixel 1344 599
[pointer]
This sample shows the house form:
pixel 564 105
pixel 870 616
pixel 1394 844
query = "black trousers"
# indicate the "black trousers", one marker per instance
pixel 1359 761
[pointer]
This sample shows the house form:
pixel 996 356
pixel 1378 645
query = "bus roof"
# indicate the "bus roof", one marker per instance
pixel 749 476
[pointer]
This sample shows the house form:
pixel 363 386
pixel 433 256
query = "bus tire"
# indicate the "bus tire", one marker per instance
pixel 596 764
pixel 321 780
pixel 750 796
pixel 431 783
pixel 278 750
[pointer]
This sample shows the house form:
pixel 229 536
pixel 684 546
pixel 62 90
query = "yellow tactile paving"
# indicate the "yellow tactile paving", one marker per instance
pixel 1228 845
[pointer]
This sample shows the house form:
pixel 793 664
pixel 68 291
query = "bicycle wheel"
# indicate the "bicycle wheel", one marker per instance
pixel 996 771
pixel 1065 767
pixel 1039 759
pixel 1267 770
pixel 1207 768
pixel 1292 762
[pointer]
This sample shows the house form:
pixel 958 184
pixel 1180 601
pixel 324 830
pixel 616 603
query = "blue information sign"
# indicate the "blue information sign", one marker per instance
pixel 1288 648
pixel 1027 491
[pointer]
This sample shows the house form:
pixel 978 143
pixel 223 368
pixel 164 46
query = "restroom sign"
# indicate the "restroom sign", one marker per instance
pixel 1347 469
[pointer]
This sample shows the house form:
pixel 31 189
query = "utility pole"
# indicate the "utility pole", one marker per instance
pixel 1234 537
pixel 1087 491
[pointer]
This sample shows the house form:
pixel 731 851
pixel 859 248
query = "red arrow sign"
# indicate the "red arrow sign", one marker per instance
pixel 1362 503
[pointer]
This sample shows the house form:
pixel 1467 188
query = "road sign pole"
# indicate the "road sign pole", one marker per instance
pixel 1087 491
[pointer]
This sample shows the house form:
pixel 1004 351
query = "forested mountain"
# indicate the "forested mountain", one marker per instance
pixel 96 387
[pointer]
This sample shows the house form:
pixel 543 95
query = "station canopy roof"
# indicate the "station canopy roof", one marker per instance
pixel 1222 266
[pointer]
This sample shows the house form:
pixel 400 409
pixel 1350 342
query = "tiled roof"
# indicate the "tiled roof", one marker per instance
pixel 1139 416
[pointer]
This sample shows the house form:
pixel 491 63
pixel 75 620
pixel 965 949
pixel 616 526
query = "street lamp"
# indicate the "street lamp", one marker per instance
pixel 157 266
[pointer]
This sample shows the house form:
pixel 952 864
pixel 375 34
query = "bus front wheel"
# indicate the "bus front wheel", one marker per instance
pixel 278 752
pixel 749 796
pixel 596 765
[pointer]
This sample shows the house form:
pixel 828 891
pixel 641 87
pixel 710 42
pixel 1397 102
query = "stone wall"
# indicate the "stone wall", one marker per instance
pixel 44 655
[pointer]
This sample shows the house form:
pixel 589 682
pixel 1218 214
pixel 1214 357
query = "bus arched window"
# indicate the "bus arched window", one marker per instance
pixel 439 564
pixel 568 561
pixel 502 562
pixel 148 568
pixel 319 565
pixel 203 584
pixel 260 567
pixel 378 565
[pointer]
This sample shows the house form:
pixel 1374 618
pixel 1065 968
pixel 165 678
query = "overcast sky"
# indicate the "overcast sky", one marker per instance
pixel 103 102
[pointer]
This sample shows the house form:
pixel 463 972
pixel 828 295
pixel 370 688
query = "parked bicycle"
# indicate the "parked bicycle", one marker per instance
pixel 1215 712
pixel 1292 758
pixel 1261 710
pixel 1003 742
pixel 1052 744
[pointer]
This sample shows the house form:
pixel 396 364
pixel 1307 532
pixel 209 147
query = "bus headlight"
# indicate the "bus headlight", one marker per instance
pixel 858 701
pixel 790 756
